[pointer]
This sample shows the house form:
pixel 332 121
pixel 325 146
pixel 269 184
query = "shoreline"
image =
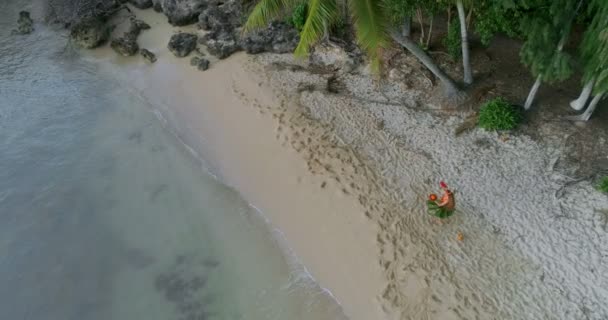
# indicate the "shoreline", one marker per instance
pixel 305 156
pixel 218 113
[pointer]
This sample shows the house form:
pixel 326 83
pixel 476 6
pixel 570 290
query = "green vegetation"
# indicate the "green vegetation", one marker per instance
pixel 452 40
pixel 498 114
pixel 298 17
pixel 544 26
pixel 603 185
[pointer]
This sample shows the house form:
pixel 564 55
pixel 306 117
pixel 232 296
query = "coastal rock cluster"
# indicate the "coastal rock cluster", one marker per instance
pixel 181 44
pixel 127 44
pixel 90 33
pixel 223 21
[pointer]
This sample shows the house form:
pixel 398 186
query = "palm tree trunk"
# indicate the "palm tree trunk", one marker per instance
pixel 580 103
pixel 428 39
pixel 407 27
pixel 587 114
pixel 449 85
pixel 532 94
pixel 468 75
pixel 420 22
pixel 560 47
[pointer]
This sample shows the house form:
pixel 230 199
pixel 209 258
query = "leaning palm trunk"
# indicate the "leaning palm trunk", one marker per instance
pixel 539 79
pixel 560 46
pixel 532 94
pixel 592 105
pixel 451 89
pixel 468 75
pixel 428 39
pixel 579 104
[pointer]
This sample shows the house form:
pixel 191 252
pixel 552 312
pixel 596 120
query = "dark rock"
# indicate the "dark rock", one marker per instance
pixel 279 37
pixel 90 33
pixel 158 7
pixel 141 4
pixel 137 26
pixel 201 64
pixel 183 12
pixel 221 44
pixel 25 24
pixel 125 46
pixel 148 55
pixel 225 16
pixel 181 44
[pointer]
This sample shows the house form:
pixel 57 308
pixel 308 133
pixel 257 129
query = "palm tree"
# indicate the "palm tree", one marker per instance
pixel 367 17
pixel 468 75
pixel 371 29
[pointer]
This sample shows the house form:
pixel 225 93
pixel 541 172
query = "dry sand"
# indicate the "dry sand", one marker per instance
pixel 344 177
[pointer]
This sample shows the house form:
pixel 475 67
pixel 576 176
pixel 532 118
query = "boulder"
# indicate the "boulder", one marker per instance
pixel 137 26
pixel 183 12
pixel 141 4
pixel 181 44
pixel 25 24
pixel 279 37
pixel 224 16
pixel 158 7
pixel 221 44
pixel 201 64
pixel 90 33
pixel 148 55
pixel 125 46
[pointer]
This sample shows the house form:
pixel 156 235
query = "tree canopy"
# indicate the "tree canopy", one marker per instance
pixel 544 26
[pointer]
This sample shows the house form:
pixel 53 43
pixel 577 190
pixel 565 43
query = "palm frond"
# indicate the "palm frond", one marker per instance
pixel 321 14
pixel 266 11
pixel 370 27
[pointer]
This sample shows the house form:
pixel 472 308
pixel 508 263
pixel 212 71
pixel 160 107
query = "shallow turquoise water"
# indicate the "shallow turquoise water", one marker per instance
pixel 105 215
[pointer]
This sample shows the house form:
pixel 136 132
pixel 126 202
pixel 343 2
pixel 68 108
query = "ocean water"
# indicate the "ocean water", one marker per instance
pixel 104 214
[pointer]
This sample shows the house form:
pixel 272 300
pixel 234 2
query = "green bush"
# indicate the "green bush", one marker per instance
pixel 452 40
pixel 298 17
pixel 603 185
pixel 498 114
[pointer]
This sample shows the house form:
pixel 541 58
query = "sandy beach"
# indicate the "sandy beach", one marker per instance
pixel 344 177
pixel 231 116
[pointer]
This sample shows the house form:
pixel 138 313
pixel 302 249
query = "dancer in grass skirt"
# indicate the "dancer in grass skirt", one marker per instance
pixel 444 207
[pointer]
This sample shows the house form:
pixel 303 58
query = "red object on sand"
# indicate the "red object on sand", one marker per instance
pixel 443 185
pixel 432 197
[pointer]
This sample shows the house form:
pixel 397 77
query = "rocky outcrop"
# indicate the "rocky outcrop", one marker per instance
pixel 201 64
pixel 279 37
pixel 141 4
pixel 181 44
pixel 25 24
pixel 148 55
pixel 127 44
pixel 90 33
pixel 221 44
pixel 183 12
pixel 224 19
pixel 221 16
